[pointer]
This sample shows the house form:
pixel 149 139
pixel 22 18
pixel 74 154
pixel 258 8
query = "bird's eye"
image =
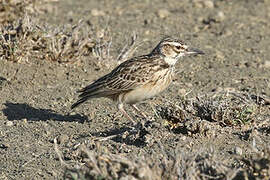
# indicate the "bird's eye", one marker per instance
pixel 178 47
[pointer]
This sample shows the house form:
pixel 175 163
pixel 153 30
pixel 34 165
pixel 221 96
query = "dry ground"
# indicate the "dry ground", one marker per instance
pixel 212 123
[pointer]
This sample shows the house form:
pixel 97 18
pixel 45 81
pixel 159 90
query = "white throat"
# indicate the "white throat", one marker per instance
pixel 171 61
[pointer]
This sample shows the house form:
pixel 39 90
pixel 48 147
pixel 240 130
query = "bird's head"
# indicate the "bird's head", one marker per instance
pixel 172 49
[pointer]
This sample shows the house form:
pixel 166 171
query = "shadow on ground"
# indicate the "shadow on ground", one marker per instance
pixel 18 111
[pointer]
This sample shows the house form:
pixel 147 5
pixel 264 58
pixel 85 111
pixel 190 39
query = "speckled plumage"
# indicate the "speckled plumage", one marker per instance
pixel 138 78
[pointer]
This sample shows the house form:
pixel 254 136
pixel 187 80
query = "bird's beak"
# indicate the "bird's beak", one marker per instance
pixel 194 51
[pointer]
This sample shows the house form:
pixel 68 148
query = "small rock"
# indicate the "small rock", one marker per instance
pixel 266 64
pixel 219 55
pixel 96 12
pixel 147 32
pixel 163 13
pixel 9 123
pixel 24 120
pixel 119 10
pixel 220 16
pixel 145 173
pixel 183 138
pixel 196 29
pixel 249 50
pixel 127 177
pixel 208 4
pixel 62 138
pixel 230 89
pixel 238 151
pixel 100 34
pixel 189 85
pixel 227 33
pixel 72 113
pixel 200 19
pixel 182 91
pixel 197 4
pixel 218 89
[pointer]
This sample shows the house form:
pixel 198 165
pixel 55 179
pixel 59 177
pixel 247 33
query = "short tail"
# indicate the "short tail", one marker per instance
pixel 84 97
pixel 89 92
pixel 80 101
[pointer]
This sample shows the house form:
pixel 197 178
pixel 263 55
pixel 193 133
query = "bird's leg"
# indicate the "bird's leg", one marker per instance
pixel 138 110
pixel 121 108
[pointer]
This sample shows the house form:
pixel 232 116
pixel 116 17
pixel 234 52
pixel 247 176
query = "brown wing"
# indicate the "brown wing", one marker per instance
pixel 132 74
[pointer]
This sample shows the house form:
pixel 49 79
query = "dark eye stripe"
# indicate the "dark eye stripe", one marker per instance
pixel 179 48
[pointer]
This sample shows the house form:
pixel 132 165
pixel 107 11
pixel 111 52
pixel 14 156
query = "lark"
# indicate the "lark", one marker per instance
pixel 139 78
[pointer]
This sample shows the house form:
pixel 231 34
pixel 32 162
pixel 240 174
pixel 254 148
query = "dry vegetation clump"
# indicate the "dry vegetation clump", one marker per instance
pixel 12 10
pixel 25 38
pixel 224 108
pixel 99 164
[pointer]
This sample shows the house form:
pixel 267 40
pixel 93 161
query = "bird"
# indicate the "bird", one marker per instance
pixel 139 78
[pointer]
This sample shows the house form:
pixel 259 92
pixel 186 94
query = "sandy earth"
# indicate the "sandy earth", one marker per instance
pixel 36 95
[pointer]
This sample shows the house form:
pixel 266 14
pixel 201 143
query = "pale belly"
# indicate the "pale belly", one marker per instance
pixel 147 91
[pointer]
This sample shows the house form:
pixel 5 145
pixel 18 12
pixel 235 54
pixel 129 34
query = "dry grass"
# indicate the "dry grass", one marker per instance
pixel 99 164
pixel 12 10
pixel 25 38
pixel 224 108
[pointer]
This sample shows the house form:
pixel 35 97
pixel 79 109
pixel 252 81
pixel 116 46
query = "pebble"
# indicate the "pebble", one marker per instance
pixel 100 34
pixel 183 138
pixel 62 138
pixel 219 55
pixel 266 64
pixel 218 89
pixel 145 173
pixel 72 113
pixel 208 4
pixel 238 151
pixel 200 19
pixel 230 89
pixel 182 91
pixel 9 123
pixel 197 4
pixel 189 85
pixel 128 177
pixel 147 32
pixel 24 120
pixel 163 13
pixel 220 16
pixel 227 33
pixel 96 12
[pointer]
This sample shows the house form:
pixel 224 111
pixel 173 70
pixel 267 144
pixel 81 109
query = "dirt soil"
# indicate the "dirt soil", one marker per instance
pixel 213 122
